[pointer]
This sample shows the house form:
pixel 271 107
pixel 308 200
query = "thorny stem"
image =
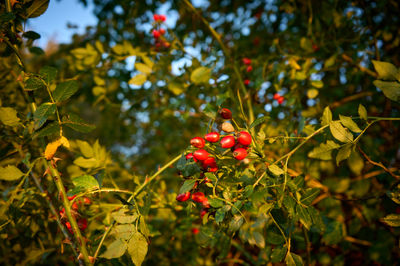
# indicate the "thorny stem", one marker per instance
pixel 60 186
pixel 102 240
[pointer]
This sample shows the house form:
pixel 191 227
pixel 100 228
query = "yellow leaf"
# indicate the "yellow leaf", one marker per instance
pixel 294 64
pixel 52 147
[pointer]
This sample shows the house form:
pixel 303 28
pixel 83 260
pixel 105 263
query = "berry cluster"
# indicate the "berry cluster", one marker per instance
pixel 247 62
pixel 158 32
pixel 82 222
pixel 206 151
pixel 279 98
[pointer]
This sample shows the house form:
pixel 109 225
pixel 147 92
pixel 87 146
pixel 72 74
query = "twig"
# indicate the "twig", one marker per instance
pixel 377 164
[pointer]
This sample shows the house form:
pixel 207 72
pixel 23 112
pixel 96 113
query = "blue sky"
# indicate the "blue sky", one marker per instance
pixel 53 23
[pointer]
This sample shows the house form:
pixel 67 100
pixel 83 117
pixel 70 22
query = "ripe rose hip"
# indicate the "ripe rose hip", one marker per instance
pixel 71 197
pixel 195 231
pixel 161 31
pixel 227 127
pixel 199 197
pixel 227 142
pixel 280 100
pixel 156 17
pixel 200 155
pixel 246 82
pixel 226 113
pixel 210 165
pixel 156 34
pixel 190 156
pixel 183 197
pixel 203 212
pixel 240 154
pixel 82 224
pixel 276 96
pixel 249 69
pixel 69 227
pixel 246 61
pixel 162 17
pixel 75 206
pixel 198 142
pixel 244 138
pixel 212 137
pixel 87 201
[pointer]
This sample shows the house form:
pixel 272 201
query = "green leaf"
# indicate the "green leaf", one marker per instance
pixel 326 116
pixel 316 218
pixel 86 163
pixel 85 148
pixel 123 231
pixel 355 163
pixel 330 61
pixel 86 181
pixel 137 248
pixel 48 73
pixel 258 121
pixel 390 89
pixel 303 216
pixel 31 35
pixel 339 132
pixel 293 260
pixel 317 84
pixel 323 151
pixel 219 215
pixel 290 205
pixel 44 111
pixel 37 8
pixel 138 80
pixel 8 116
pixel 349 123
pixel 50 129
pixel 65 90
pixel 362 112
pixel 115 250
pixel 143 227
pixel 236 223
pixel 200 75
pixel 309 195
pixel 343 153
pixel 392 220
pixel 216 203
pixel 386 70
pixel 211 177
pixel 121 217
pixel 278 253
pixel 34 83
pixel 10 173
pixel 6 17
pixel 187 185
pixel 276 170
pixel 333 233
pixel 36 50
pixel 259 239
pixel 76 123
pixel 143 68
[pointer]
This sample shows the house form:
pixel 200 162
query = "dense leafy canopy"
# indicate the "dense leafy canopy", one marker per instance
pixel 95 133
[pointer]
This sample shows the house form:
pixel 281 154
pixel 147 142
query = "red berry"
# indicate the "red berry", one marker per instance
pixel 226 113
pixel 249 69
pixel 166 44
pixel 82 224
pixel 87 201
pixel 156 17
pixel 200 155
pixel 202 213
pixel 198 142
pixel 227 142
pixel 244 138
pixel 71 197
pixel 199 197
pixel 69 227
pixel 315 47
pixel 246 61
pixel 240 154
pixel 280 100
pixel 75 206
pixel 162 17
pixel 195 231
pixel 161 31
pixel 276 96
pixel 246 82
pixel 183 197
pixel 156 34
pixel 212 137
pixel 190 156
pixel 210 165
pixel 205 203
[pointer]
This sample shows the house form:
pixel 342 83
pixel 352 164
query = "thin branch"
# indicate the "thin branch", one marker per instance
pixel 377 164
